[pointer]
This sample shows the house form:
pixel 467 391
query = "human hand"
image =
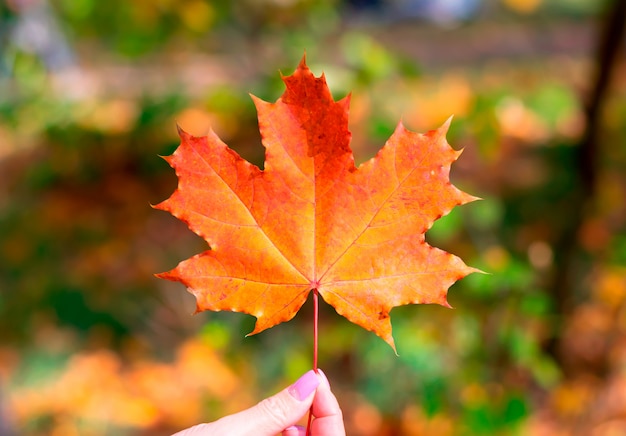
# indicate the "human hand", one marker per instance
pixel 279 413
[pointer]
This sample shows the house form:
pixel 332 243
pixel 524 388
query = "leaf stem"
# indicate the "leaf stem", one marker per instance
pixel 316 306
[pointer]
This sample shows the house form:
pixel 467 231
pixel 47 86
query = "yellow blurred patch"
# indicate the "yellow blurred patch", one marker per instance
pixel 523 6
pixel 197 15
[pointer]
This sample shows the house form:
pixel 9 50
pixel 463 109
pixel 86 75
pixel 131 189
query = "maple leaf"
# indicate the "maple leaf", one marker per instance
pixel 311 220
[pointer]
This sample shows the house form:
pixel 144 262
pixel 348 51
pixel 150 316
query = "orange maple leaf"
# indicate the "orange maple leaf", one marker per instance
pixel 311 220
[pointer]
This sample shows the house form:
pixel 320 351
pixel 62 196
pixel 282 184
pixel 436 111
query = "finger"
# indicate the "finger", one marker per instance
pixel 294 430
pixel 196 430
pixel 328 417
pixel 272 415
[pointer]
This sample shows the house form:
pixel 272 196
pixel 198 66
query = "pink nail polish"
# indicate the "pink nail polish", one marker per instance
pixel 304 386
pixel 295 430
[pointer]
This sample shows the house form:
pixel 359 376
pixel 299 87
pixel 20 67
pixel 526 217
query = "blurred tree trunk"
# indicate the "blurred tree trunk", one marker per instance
pixel 610 42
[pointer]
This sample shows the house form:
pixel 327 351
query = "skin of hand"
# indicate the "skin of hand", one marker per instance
pixel 279 413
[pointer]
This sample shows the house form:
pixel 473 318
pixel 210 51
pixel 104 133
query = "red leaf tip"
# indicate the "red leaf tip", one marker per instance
pixel 302 64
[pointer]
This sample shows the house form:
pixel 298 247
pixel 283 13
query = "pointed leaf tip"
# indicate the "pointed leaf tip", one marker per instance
pixel 302 63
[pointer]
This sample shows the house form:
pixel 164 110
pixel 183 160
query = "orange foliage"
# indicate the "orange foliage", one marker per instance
pixel 98 390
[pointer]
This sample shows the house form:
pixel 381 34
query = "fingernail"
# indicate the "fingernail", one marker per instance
pixel 304 386
pixel 294 430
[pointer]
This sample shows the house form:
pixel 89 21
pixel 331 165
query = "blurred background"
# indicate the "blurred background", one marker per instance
pixel 90 95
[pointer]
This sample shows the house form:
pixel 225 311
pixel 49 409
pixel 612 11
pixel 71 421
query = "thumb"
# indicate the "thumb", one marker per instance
pixel 273 414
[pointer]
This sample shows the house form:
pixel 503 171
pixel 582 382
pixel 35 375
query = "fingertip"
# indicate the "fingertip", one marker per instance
pixel 328 415
pixel 322 375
